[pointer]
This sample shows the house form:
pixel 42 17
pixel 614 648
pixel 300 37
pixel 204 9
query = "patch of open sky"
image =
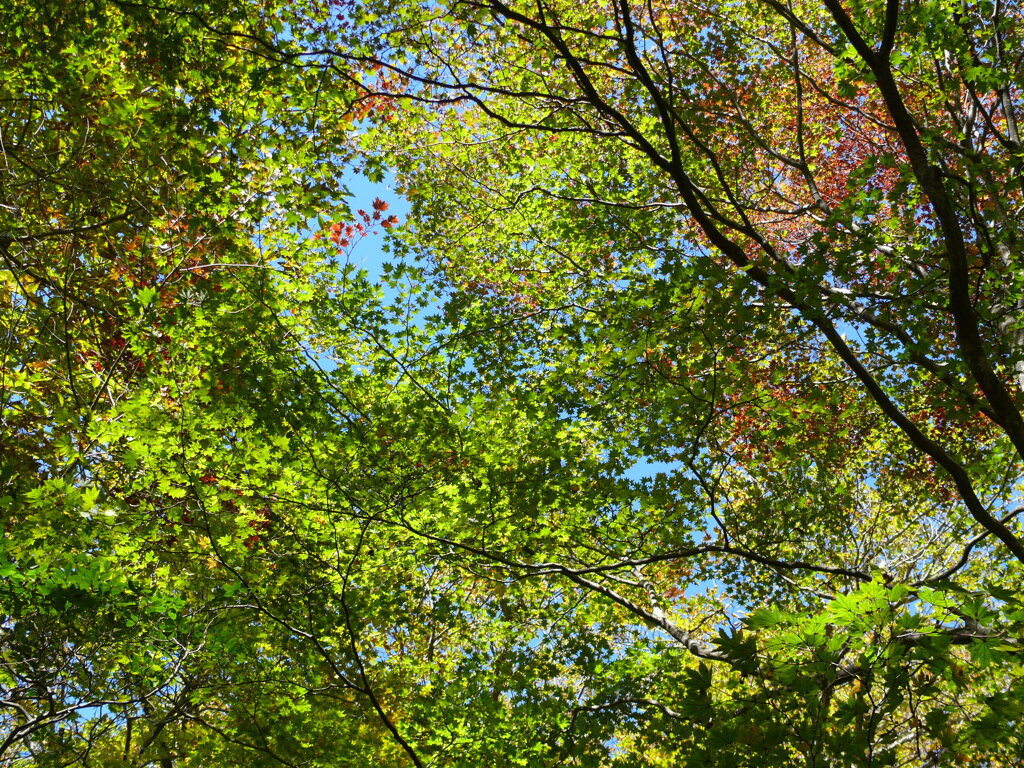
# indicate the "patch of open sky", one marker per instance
pixel 370 254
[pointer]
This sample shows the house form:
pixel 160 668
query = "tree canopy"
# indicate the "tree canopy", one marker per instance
pixel 682 427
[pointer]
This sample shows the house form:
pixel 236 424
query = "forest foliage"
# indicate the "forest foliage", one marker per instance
pixel 682 427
